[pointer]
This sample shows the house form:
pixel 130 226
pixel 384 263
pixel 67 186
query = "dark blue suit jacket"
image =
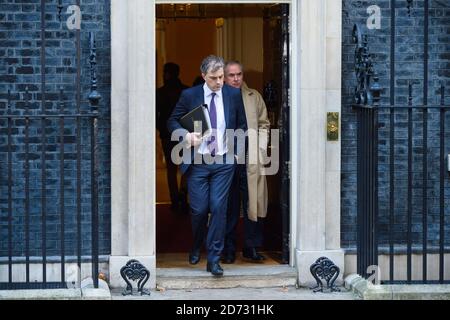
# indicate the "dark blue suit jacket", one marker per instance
pixel 193 97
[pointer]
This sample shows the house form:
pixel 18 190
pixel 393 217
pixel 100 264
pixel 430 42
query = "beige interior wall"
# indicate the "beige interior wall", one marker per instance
pixel 160 35
pixel 242 39
pixel 187 42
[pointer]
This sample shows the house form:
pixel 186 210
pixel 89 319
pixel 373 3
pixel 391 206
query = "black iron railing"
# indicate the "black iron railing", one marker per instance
pixel 402 169
pixel 367 194
pixel 406 164
pixel 29 146
pixel 35 140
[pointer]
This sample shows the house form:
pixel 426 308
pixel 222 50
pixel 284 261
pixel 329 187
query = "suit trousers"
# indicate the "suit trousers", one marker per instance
pixel 208 187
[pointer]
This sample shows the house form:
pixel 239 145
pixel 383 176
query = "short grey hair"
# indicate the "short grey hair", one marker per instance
pixel 234 62
pixel 211 63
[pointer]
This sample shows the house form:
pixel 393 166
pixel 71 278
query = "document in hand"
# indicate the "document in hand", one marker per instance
pixel 197 120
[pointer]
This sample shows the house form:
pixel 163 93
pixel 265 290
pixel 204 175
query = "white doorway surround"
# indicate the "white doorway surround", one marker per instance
pixel 315 61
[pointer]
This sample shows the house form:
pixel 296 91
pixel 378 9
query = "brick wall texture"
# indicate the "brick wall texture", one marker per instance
pixel 409 67
pixel 21 67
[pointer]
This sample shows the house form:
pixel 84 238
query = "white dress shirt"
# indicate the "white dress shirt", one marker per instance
pixel 221 125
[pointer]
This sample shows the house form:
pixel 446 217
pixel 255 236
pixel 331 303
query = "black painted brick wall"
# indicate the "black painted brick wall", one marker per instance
pixel 409 67
pixel 20 66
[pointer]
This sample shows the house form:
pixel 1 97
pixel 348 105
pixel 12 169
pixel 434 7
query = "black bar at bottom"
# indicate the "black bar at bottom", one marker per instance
pixel 79 194
pixel 441 197
pixel 44 201
pixel 27 201
pixel 409 200
pixel 391 192
pixel 61 199
pixel 425 195
pixel 94 199
pixel 10 177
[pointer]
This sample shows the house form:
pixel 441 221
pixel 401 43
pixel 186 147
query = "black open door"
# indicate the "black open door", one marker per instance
pixel 276 96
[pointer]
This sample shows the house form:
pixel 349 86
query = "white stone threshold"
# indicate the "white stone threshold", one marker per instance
pixel 234 277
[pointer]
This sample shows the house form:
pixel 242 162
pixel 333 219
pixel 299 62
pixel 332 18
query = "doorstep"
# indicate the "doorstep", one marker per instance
pixel 196 277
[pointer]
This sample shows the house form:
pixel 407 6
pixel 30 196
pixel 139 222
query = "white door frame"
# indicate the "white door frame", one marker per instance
pixel 315 65
pixel 293 82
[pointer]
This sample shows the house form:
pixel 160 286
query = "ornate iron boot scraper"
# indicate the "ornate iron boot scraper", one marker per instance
pixel 134 270
pixel 324 268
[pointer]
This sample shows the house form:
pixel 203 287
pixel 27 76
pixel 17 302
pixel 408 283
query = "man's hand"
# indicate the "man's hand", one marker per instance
pixel 193 139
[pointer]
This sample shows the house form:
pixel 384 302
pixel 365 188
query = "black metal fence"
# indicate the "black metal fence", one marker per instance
pixel 33 134
pixel 406 132
pixel 39 151
pixel 402 172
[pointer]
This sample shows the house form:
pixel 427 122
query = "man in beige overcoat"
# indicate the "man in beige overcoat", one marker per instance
pixel 249 184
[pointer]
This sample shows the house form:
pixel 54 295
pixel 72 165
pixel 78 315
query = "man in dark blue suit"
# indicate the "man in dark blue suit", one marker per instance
pixel 209 181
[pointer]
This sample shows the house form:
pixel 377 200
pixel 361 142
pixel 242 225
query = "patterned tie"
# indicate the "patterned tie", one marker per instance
pixel 212 143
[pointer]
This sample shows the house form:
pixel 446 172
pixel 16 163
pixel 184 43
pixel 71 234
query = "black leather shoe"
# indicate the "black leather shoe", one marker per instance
pixel 252 254
pixel 228 258
pixel 194 257
pixel 214 268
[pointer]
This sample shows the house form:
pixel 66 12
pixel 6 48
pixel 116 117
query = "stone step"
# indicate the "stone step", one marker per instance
pixel 234 276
